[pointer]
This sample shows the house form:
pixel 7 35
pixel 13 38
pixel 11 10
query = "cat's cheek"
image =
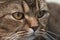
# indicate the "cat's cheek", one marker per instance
pixel 43 22
pixel 44 19
pixel 11 24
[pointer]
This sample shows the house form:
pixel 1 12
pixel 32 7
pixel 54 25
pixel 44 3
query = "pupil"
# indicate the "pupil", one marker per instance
pixel 40 14
pixel 18 14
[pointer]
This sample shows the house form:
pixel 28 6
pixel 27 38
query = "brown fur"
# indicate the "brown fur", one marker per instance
pixel 21 20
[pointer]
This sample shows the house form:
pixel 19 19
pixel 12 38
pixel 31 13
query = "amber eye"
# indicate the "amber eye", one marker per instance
pixel 41 13
pixel 18 15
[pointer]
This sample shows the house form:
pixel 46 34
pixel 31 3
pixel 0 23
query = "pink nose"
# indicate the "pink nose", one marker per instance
pixel 33 23
pixel 34 28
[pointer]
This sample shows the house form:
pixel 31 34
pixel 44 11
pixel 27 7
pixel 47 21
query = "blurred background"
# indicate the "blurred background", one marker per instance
pixel 55 1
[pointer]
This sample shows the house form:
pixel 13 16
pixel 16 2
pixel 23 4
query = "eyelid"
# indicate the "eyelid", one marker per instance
pixel 45 11
pixel 18 15
pixel 41 13
pixel 17 12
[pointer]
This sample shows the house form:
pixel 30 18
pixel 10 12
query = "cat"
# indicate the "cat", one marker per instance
pixel 24 20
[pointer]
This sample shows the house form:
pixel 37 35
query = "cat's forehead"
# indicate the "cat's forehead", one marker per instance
pixel 14 7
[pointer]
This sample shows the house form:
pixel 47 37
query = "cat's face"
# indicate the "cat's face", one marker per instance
pixel 19 21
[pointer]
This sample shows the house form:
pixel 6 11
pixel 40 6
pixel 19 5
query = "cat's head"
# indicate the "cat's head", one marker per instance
pixel 19 20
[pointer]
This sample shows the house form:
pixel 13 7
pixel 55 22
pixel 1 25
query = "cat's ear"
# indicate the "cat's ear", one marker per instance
pixel 26 7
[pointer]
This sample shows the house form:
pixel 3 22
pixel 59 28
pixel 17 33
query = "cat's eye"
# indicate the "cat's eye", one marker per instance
pixel 41 13
pixel 18 15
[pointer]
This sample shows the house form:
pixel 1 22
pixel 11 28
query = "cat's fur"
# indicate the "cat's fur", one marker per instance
pixel 31 26
pixel 54 20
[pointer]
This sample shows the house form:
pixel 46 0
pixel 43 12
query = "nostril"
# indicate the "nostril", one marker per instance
pixel 34 28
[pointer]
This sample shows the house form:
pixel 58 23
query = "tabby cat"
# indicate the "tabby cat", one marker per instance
pixel 24 20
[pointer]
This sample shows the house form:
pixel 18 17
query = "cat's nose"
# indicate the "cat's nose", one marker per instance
pixel 33 24
pixel 34 28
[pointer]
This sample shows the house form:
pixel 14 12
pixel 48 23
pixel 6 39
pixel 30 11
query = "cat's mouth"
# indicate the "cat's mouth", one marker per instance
pixel 30 33
pixel 22 35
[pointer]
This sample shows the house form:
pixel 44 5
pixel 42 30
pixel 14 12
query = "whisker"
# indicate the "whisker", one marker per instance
pixel 51 33
pixel 15 30
pixel 49 36
pixel 52 38
pixel 46 37
pixel 14 36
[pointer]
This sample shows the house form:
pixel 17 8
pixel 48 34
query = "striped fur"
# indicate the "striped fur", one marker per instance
pixel 24 20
